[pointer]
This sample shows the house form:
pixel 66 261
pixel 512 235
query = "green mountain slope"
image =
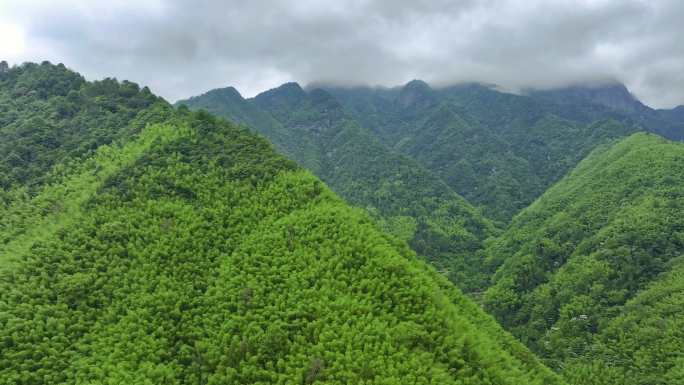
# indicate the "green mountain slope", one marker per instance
pixel 55 129
pixel 406 199
pixel 503 172
pixel 228 103
pixel 49 114
pixel 499 151
pixel 576 266
pixel 643 343
pixel 27 220
pixel 193 253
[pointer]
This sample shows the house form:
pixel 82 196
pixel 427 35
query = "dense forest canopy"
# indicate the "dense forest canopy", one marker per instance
pixel 587 273
pixel 500 151
pixel 49 114
pixel 182 249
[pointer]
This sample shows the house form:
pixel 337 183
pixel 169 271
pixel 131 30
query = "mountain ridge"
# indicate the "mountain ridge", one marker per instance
pixel 517 145
pixel 569 264
pixel 406 199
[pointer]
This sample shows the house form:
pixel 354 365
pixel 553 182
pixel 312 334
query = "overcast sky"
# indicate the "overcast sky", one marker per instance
pixel 181 48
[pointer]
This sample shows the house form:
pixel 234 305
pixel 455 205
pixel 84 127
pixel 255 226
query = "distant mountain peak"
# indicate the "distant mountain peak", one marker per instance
pixel 217 96
pixel 417 84
pixel 232 90
pixel 676 114
pixel 227 92
pixel 615 89
pixel 416 93
pixel 613 95
pixel 287 94
pixel 293 86
pixel 290 88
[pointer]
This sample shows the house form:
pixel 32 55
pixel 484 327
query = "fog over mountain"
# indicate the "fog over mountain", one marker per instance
pixel 181 48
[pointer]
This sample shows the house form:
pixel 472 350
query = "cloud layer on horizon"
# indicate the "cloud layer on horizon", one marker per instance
pixel 182 48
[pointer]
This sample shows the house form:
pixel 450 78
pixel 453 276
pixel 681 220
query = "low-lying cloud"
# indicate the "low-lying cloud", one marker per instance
pixel 181 48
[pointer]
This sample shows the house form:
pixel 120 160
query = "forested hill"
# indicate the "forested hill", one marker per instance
pixel 48 114
pixel 189 252
pixel 590 273
pixel 405 198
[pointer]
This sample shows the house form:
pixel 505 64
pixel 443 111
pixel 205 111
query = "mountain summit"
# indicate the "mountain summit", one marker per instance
pixel 416 94
pixel 615 96
pixel 283 96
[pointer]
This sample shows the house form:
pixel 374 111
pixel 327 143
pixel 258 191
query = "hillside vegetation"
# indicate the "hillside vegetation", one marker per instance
pixel 49 114
pixel 498 150
pixel 406 199
pixel 189 252
pixel 588 272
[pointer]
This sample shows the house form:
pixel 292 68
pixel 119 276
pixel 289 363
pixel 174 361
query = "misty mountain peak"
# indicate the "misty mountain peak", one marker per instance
pixel 417 84
pixel 228 93
pixel 214 98
pixel 612 95
pixel 416 93
pixel 287 94
pixel 676 114
pixel 293 87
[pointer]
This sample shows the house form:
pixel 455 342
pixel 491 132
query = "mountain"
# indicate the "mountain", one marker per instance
pixel 189 251
pixel 51 120
pixel 675 115
pixel 614 96
pixel 406 199
pixel 76 117
pixel 228 102
pixel 416 94
pixel 587 274
pixel 499 151
pixel 613 100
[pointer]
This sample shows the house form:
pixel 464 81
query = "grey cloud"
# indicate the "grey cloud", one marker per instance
pixel 181 48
